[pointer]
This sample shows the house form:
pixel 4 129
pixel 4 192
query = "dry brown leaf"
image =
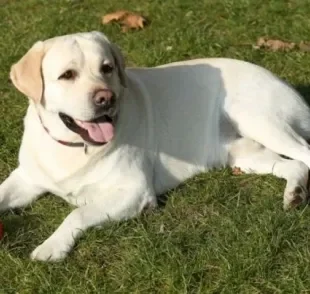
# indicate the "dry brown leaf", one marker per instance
pixel 117 15
pixel 128 19
pixel 237 171
pixel 274 45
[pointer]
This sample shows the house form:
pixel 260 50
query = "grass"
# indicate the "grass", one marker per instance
pixel 218 233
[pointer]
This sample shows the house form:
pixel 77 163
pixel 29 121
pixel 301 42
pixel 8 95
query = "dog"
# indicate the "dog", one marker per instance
pixel 109 140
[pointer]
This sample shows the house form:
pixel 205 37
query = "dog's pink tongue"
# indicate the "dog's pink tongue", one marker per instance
pixel 100 132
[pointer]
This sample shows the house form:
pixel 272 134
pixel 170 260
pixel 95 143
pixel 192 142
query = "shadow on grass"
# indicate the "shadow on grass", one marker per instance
pixel 304 90
pixel 20 230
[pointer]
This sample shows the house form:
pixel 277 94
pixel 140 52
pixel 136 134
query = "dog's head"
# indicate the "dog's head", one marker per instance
pixel 81 77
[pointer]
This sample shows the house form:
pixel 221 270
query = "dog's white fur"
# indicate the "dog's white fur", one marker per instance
pixel 174 121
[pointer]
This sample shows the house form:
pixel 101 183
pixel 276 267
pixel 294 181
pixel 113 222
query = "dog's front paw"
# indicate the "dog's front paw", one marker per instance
pixel 50 250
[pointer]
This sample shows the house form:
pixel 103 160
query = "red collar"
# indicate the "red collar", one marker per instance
pixel 70 144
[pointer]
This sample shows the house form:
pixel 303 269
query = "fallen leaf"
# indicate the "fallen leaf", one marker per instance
pixel 274 45
pixel 113 16
pixel 237 171
pixel 128 19
pixel 260 42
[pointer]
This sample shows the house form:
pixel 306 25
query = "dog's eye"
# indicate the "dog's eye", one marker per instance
pixel 68 75
pixel 106 68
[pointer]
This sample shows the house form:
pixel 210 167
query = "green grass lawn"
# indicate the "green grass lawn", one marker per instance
pixel 217 233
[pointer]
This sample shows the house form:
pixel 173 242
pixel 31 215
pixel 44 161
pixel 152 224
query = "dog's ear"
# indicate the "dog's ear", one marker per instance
pixel 26 73
pixel 120 63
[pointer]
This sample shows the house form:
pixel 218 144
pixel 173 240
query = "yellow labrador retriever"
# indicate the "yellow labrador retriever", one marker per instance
pixel 108 140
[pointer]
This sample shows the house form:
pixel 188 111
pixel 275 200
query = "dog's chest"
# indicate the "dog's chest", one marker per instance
pixel 50 162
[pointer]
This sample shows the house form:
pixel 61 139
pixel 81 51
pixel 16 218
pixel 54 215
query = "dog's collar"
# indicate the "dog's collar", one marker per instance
pixel 66 143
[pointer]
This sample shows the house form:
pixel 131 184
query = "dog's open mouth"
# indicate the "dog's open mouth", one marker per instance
pixel 98 131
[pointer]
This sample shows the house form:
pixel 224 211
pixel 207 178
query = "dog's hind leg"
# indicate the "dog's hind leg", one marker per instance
pixel 252 157
pixel 16 191
pixel 274 134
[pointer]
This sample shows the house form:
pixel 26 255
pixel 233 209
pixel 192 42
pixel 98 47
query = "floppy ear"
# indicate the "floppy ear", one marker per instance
pixel 120 63
pixel 26 73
